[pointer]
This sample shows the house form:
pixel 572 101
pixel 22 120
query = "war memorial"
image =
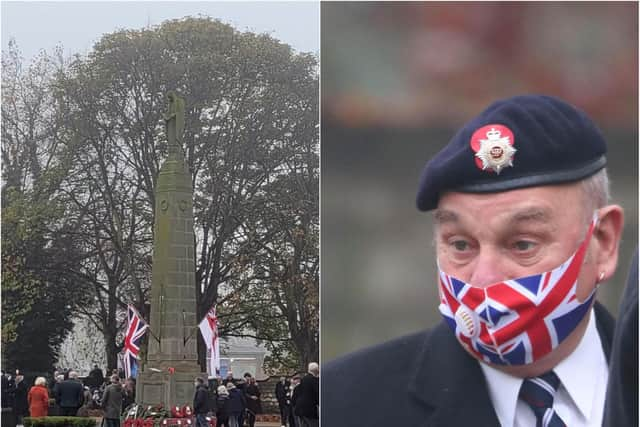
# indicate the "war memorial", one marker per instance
pixel 171 360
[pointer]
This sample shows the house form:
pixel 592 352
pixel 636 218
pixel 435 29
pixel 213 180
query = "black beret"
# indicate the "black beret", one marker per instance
pixel 518 142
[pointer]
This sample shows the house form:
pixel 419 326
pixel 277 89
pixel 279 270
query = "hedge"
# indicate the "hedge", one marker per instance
pixel 59 422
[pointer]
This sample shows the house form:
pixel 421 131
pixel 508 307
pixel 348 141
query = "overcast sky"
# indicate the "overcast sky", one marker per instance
pixel 78 25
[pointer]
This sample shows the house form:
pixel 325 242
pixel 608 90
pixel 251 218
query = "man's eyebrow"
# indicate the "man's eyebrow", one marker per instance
pixel 442 216
pixel 536 214
pixel 531 214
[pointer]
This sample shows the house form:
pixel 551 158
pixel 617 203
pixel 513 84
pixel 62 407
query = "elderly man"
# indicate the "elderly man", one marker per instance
pixel 524 235
pixel 70 395
pixel 307 396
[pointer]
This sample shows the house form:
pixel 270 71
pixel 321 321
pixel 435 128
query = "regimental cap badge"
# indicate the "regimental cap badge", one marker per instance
pixel 493 145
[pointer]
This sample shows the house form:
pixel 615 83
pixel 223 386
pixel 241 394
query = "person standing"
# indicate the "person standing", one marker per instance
pixel 254 406
pixel 38 398
pixel 97 378
pixel 70 395
pixel 281 397
pixel 292 395
pixel 55 386
pixel 20 405
pixel 112 402
pixel 129 391
pixel 222 407
pixel 308 397
pixel 237 405
pixel 200 402
pixel 524 236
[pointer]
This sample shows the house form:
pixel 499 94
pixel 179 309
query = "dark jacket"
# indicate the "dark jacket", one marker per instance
pixel 201 400
pixel 253 405
pixel 70 394
pixel 281 392
pixel 621 408
pixel 5 391
pixel 222 407
pixel 307 397
pixel 97 378
pixel 112 401
pixel 20 403
pixel 420 380
pixel 237 403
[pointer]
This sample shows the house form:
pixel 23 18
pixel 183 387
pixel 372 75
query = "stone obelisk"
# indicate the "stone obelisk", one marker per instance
pixel 171 359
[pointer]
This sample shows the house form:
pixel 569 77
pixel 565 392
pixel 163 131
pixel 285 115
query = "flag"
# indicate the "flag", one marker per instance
pixel 209 330
pixel 136 327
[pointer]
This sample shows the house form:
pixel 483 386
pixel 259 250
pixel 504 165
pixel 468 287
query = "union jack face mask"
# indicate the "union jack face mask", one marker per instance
pixel 516 321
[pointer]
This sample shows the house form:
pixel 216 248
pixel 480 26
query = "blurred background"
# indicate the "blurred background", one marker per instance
pixel 397 80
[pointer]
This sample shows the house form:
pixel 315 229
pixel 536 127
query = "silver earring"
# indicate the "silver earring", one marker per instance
pixel 601 276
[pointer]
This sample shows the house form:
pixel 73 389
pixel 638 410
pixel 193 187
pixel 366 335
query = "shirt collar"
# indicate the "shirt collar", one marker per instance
pixel 504 388
pixel 574 371
pixel 503 391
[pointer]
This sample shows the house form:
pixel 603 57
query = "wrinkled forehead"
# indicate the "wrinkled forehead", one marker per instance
pixel 560 207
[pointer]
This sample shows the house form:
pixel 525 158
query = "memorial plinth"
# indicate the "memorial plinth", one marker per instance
pixel 171 359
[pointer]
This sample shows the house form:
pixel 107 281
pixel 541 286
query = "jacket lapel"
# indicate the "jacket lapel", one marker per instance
pixel 450 385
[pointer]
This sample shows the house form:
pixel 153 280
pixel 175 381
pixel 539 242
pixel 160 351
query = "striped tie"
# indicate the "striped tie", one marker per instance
pixel 538 393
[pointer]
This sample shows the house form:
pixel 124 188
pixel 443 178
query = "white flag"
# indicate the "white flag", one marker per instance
pixel 209 331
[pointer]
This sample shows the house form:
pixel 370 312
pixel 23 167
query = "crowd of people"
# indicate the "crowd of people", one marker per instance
pixel 65 394
pixel 234 401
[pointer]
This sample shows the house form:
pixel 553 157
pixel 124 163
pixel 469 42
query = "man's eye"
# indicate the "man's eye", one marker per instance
pixel 524 245
pixel 460 245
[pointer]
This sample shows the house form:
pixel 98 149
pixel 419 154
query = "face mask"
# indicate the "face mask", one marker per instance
pixel 517 321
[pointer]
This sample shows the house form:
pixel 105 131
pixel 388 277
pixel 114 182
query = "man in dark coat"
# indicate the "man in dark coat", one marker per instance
pixel 308 397
pixel 70 395
pixel 5 390
pixel 252 395
pixel 21 404
pixel 522 244
pixel 281 397
pixel 292 396
pixel 201 402
pixel 96 377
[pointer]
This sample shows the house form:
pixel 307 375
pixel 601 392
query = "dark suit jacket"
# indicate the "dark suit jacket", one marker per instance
pixel 622 393
pixel 70 394
pixel 307 397
pixel 420 380
pixel 200 400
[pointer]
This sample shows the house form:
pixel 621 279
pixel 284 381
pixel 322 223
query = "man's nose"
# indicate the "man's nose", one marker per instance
pixel 488 269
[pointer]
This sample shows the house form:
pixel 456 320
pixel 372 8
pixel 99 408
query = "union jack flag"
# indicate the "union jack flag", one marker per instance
pixel 543 305
pixel 136 327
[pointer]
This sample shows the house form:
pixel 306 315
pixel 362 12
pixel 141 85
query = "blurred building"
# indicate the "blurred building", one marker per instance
pixel 398 79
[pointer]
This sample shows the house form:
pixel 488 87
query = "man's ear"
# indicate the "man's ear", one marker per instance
pixel 607 237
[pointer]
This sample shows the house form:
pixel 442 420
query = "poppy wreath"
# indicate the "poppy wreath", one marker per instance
pixel 187 411
pixel 176 412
